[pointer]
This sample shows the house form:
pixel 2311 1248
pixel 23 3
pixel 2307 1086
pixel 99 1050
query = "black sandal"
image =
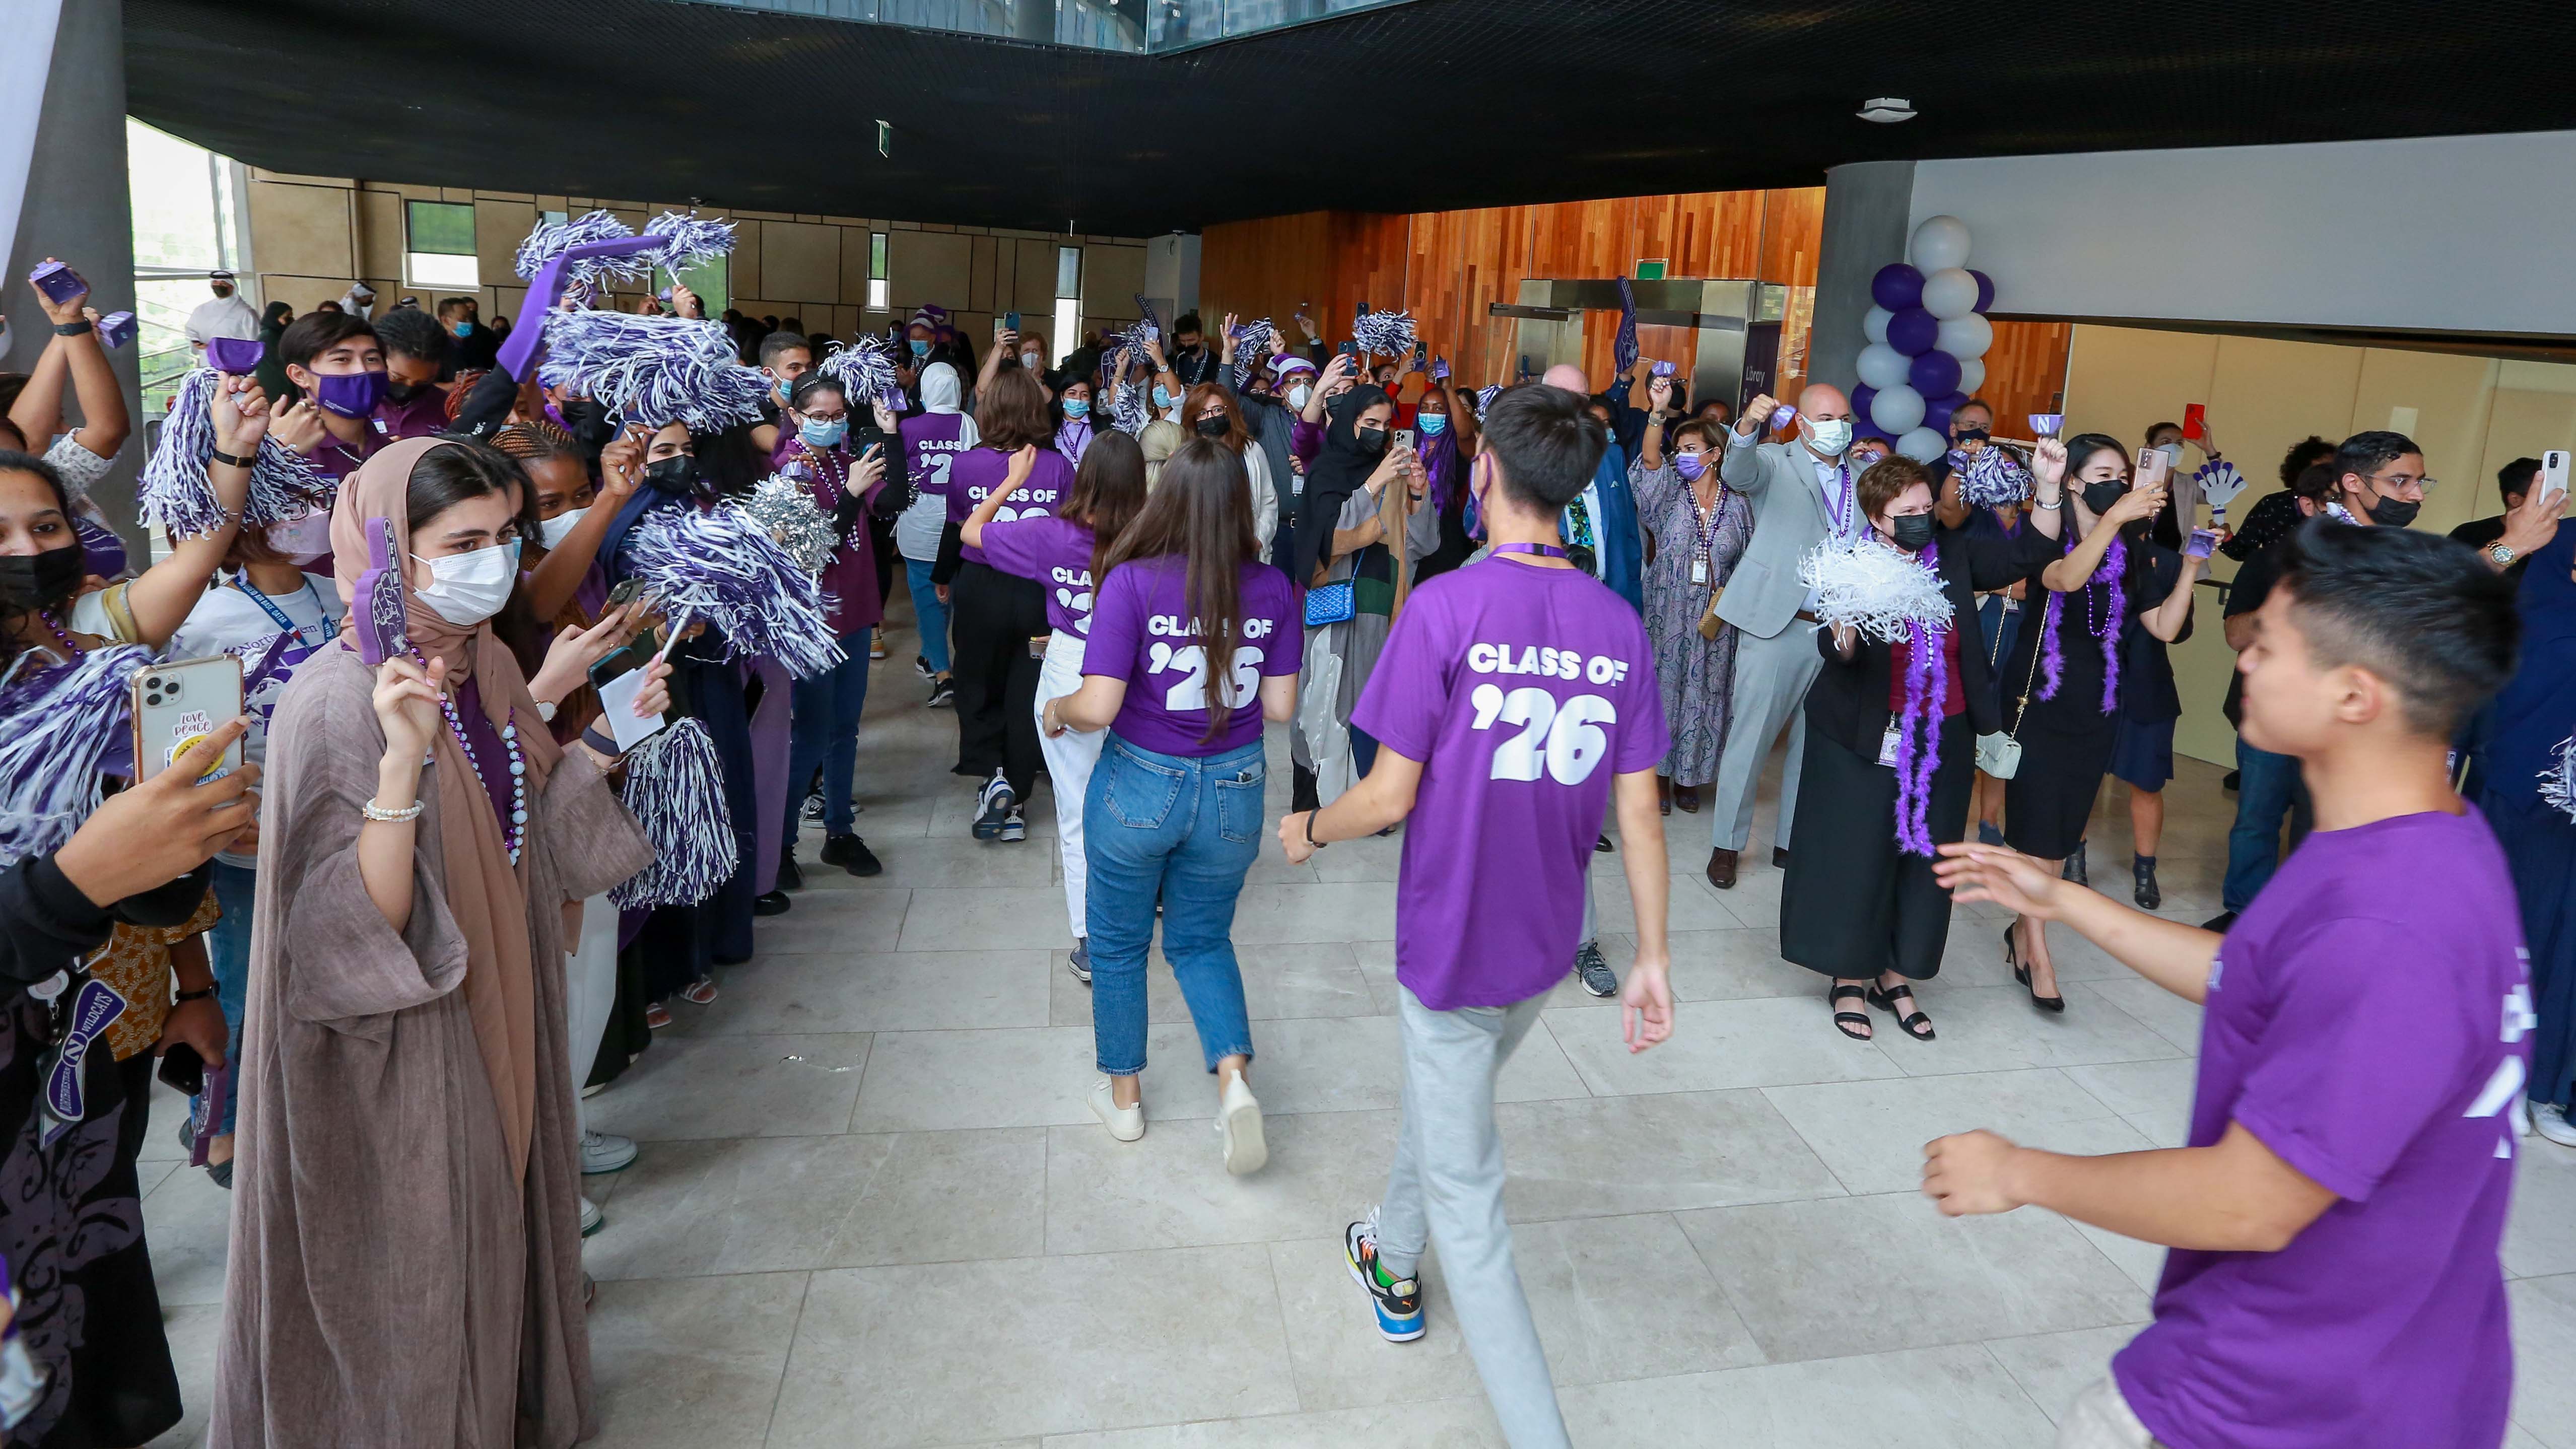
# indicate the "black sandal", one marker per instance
pixel 1913 1023
pixel 1842 1019
pixel 2021 974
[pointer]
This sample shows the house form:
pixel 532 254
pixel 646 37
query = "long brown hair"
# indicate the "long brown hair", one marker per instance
pixel 1011 412
pixel 1237 436
pixel 1202 512
pixel 1108 493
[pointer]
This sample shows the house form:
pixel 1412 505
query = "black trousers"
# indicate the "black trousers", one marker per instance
pixel 993 616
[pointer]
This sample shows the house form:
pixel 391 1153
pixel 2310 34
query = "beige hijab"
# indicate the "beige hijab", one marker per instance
pixel 485 895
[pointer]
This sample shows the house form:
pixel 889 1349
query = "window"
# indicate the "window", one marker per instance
pixel 1068 302
pixel 440 252
pixel 877 272
pixel 711 280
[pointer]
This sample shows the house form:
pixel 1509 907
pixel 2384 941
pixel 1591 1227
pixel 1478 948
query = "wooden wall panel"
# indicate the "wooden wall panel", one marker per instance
pixel 2025 373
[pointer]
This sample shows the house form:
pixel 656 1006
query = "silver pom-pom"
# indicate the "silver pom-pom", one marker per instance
pixel 1384 334
pixel 653 370
pixel 782 506
pixel 2558 782
pixel 1880 591
pixel 1127 410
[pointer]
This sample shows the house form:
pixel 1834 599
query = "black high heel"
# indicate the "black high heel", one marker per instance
pixel 2021 973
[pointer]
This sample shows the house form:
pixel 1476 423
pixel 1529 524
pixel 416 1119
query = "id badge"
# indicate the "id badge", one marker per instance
pixel 1887 744
pixel 1699 571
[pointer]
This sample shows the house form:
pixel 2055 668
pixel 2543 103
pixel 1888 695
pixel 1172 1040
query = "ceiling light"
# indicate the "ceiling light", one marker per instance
pixel 1887 110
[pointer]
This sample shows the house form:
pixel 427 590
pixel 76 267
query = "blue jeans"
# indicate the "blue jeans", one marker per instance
pixel 825 730
pixel 1188 827
pixel 2268 787
pixel 930 612
pixel 228 952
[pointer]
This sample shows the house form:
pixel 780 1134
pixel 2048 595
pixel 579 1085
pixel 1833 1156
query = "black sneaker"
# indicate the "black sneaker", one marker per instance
pixel 775 903
pixel 943 692
pixel 921 666
pixel 993 805
pixel 791 876
pixel 1080 962
pixel 851 853
pixel 1593 971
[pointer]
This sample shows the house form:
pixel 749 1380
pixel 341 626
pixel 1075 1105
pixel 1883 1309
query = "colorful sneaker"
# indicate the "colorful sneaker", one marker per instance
pixel 993 805
pixel 1397 1301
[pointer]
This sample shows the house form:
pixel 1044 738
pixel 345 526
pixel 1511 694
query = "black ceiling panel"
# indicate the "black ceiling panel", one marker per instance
pixel 1416 107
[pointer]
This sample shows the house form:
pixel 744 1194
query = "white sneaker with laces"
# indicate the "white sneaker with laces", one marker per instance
pixel 592 1219
pixel 2551 1122
pixel 605 1152
pixel 1124 1123
pixel 1238 1124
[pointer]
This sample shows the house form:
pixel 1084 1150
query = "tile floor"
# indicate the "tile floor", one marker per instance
pixel 871 1208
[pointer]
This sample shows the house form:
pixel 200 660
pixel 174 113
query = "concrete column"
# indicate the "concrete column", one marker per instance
pixel 76 209
pixel 1033 20
pixel 1867 205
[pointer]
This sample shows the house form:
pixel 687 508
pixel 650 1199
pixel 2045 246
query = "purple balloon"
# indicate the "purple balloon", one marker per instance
pixel 1985 289
pixel 1897 287
pixel 1934 374
pixel 1937 412
pixel 1861 397
pixel 1913 331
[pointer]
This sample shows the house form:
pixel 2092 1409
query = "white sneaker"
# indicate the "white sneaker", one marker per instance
pixel 1124 1123
pixel 605 1152
pixel 2551 1122
pixel 592 1219
pixel 1238 1122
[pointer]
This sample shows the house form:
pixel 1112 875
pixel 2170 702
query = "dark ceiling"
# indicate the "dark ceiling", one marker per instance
pixel 1423 106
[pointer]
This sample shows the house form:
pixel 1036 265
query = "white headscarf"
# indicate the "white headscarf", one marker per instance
pixel 940 390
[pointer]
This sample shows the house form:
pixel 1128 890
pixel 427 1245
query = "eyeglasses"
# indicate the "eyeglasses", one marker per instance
pixel 2400 480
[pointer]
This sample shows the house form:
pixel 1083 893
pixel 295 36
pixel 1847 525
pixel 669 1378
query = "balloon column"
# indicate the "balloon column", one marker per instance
pixel 1928 336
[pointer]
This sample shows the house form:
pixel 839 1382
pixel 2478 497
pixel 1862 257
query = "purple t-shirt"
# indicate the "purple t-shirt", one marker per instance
pixel 1056 553
pixel 1523 691
pixel 2368 1020
pixel 1140 633
pixel 978 471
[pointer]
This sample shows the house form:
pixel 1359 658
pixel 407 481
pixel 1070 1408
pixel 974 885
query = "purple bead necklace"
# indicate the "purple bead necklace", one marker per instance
pixel 516 830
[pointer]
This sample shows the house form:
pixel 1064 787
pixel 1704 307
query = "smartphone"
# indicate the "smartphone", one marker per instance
pixel 2553 471
pixel 183 1069
pixel 2200 543
pixel 628 590
pixel 1404 439
pixel 2152 467
pixel 1011 320
pixel 59 283
pixel 631 656
pixel 176 705
pixel 2194 417
pixel 236 355
pixel 1348 349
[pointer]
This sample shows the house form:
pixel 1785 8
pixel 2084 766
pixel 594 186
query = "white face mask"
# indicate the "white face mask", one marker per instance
pixel 553 531
pixel 2172 452
pixel 1830 437
pixel 467 588
pixel 301 538
pixel 1297 397
pixel 1033 361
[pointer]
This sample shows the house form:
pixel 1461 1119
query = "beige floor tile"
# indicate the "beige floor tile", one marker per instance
pixel 1342 911
pixel 1279 981
pixel 187 1221
pixel 830 921
pixel 1955 1397
pixel 1602 1156
pixel 1439 1424
pixel 1721 1044
pixel 735 1086
pixel 880 991
pixel 928 1081
pixel 2154 1096
pixel 2536 1240
pixel 2544 1336
pixel 2054 1367
pixel 1622 1298
pixel 2168 1015
pixel 997 918
pixel 1872 1133
pixel 1170 1189
pixel 691 1362
pixel 1996 1029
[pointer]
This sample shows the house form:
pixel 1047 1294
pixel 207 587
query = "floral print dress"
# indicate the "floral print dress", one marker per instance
pixel 1697 675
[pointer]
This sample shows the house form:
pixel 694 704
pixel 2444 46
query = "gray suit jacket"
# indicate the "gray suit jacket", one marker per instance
pixel 1789 518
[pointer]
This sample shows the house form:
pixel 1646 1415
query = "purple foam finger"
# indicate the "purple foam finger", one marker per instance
pixel 379 598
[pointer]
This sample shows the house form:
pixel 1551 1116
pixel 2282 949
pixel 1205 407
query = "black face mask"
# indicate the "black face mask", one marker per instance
pixel 588 422
pixel 1215 427
pixel 676 475
pixel 399 393
pixel 40 580
pixel 2100 496
pixel 1371 440
pixel 2394 512
pixel 1913 531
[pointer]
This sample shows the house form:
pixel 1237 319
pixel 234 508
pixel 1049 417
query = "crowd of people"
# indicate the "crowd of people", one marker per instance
pixel 401 937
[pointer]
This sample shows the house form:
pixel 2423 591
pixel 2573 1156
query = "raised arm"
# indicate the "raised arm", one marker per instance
pixel 1023 462
pixel 2169 619
pixel 105 424
pixel 162 595
pixel 1741 469
pixel 2072 571
pixel 558 576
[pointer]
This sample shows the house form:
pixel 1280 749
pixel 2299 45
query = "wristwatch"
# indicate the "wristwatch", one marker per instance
pixel 2502 552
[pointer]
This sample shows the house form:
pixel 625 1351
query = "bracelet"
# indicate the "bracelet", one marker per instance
pixel 1311 841
pixel 220 456
pixel 72 329
pixel 205 995
pixel 546 710
pixel 605 744
pixel 2046 507
pixel 373 811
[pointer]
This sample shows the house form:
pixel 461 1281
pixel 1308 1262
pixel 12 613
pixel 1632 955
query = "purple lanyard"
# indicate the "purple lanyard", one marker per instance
pixel 1543 550
pixel 1839 508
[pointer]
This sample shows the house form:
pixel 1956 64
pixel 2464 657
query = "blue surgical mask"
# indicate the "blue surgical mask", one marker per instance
pixel 1077 407
pixel 821 434
pixel 920 346
pixel 1432 424
pixel 464 329
pixel 1162 396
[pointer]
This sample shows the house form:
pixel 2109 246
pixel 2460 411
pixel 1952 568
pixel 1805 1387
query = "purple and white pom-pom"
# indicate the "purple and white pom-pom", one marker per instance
pixel 2558 782
pixel 56 727
pixel 675 791
pixel 691 240
pixel 550 240
pixel 714 564
pixel 176 493
pixel 1485 398
pixel 1384 334
pixel 1992 479
pixel 653 370
pixel 1151 325
pixel 1251 349
pixel 1127 409
pixel 1881 591
pixel 864 369
pixel 782 507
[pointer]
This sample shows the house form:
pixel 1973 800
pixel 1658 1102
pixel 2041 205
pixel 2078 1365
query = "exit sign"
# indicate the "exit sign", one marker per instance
pixel 1651 269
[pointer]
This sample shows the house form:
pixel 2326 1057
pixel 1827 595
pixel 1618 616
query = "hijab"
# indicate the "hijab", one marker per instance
pixel 1337 472
pixel 940 391
pixel 484 893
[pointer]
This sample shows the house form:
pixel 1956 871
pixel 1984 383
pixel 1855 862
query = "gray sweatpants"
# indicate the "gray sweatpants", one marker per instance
pixel 1448 1180
pixel 1770 690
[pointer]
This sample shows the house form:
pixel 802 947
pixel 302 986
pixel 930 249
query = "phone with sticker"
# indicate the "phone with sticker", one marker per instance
pixel 178 704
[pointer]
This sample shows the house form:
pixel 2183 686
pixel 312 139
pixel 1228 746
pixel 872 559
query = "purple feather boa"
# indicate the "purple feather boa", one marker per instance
pixel 1927 681
pixel 2106 630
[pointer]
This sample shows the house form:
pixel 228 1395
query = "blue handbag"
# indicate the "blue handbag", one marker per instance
pixel 1330 604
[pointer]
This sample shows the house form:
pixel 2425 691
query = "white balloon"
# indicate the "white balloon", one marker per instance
pixel 1972 375
pixel 1949 293
pixel 1922 445
pixel 1965 337
pixel 1873 323
pixel 1882 366
pixel 1896 409
pixel 1941 242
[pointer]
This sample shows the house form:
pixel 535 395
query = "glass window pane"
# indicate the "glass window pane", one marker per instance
pixel 876 263
pixel 1068 328
pixel 1068 271
pixel 877 294
pixel 436 269
pixel 442 227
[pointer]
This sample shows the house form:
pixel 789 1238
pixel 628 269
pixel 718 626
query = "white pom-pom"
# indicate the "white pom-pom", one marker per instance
pixel 1880 591
pixel 2558 782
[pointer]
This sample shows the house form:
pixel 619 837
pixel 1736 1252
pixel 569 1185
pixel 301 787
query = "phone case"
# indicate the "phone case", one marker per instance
pixel 58 282
pixel 2553 470
pixel 2192 416
pixel 177 704
pixel 235 355
pixel 381 633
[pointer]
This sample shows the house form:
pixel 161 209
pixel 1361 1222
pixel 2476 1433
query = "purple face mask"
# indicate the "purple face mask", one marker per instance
pixel 350 394
pixel 1691 465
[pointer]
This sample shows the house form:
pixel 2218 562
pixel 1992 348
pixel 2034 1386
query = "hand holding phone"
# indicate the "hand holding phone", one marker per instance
pixel 177 707
pixel 2153 466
